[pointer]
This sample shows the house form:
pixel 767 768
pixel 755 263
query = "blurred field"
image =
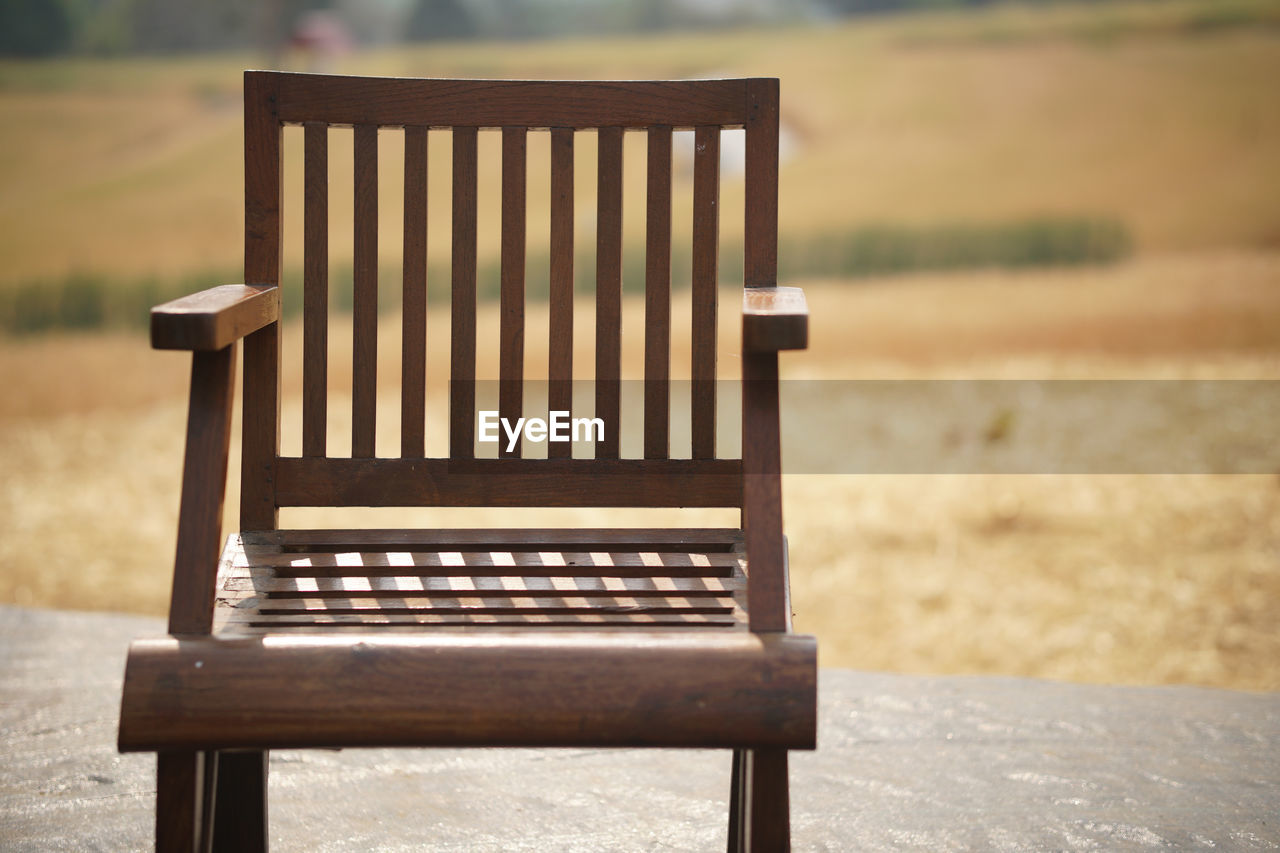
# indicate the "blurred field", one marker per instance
pixel 131 167
pixel 1140 111
pixel 1139 579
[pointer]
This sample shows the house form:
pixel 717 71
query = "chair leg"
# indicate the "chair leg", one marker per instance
pixel 180 778
pixel 240 817
pixel 759 805
pixel 737 793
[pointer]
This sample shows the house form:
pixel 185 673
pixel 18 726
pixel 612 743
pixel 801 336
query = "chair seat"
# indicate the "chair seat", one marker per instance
pixel 475 637
pixel 318 581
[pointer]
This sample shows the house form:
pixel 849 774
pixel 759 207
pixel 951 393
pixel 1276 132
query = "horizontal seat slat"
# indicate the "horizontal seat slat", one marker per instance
pixel 480 604
pixel 267 583
pixel 462 562
pixel 379 619
pixel 701 539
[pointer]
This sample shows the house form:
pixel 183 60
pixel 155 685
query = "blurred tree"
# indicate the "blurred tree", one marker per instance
pixel 440 20
pixel 34 27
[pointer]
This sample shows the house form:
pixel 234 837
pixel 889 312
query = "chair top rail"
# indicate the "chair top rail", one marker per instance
pixel 536 104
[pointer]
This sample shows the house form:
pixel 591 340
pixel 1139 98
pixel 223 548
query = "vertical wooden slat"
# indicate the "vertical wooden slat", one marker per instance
pixel 560 347
pixel 462 358
pixel 261 424
pixel 413 355
pixel 315 283
pixel 761 445
pixel 657 296
pixel 511 330
pixel 364 313
pixel 609 288
pixel 706 240
pixel 760 263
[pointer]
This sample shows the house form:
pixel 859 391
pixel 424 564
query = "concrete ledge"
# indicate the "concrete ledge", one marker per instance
pixel 903 763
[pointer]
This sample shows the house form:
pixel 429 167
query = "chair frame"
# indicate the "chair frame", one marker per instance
pixel 211 706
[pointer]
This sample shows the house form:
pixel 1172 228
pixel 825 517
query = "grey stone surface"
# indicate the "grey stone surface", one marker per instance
pixel 904 763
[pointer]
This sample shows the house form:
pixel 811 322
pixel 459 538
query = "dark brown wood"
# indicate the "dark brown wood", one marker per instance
pixel 609 290
pixel 767 812
pixel 413 389
pixel 774 318
pixel 499 103
pixel 658 540
pixel 208 806
pixel 204 481
pixel 513 482
pixel 762 492
pixel 260 443
pixel 364 315
pixel 511 307
pixel 179 801
pixel 240 817
pixel 560 337
pixel 621 637
pixel 657 297
pixel 760 235
pixel 706 247
pixel 315 286
pixel 707 689
pixel 761 445
pixel 737 796
pixel 462 342
pixel 214 318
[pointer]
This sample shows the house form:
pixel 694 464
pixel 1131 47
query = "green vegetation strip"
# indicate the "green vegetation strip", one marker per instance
pixel 90 301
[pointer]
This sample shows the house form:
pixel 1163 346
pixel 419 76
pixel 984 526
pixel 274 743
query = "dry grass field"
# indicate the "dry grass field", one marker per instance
pixel 131 168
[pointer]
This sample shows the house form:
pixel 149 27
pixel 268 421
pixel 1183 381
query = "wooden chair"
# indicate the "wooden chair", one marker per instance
pixel 542 637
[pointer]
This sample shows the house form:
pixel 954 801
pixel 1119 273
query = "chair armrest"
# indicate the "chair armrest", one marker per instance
pixel 774 318
pixel 214 318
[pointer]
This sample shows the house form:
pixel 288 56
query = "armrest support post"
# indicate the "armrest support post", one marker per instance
pixel 762 493
pixel 204 482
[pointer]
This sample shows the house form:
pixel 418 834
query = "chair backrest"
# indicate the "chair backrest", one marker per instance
pixel 463 107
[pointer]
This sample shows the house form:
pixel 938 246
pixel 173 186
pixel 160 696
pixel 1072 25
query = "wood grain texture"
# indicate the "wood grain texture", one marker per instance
pixel 579 688
pixel 774 318
pixel 560 323
pixel 609 290
pixel 737 796
pixel 498 103
pixel 240 816
pixel 462 340
pixel 760 237
pixel 260 442
pixel 767 807
pixel 508 482
pixel 214 318
pixel 364 309
pixel 511 299
pixel 413 353
pixel 657 296
pixel 509 538
pixel 180 800
pixel 315 287
pixel 706 279
pixel 204 481
pixel 762 492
